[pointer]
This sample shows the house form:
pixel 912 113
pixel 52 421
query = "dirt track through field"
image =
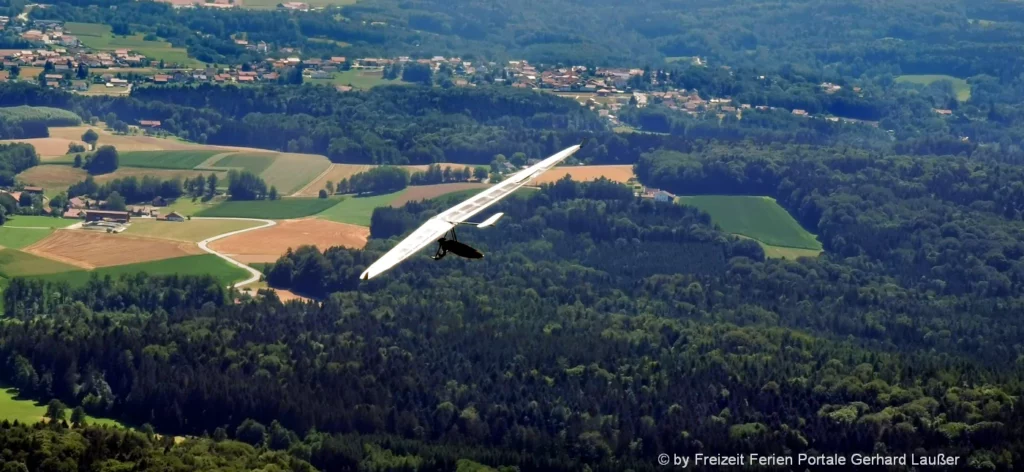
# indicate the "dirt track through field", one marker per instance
pixel 90 249
pixel 270 243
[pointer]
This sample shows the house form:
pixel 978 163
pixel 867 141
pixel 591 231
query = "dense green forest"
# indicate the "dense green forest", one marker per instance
pixel 33 122
pixel 600 330
pixel 103 449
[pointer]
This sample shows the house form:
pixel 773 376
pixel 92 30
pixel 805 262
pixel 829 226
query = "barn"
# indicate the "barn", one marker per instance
pixel 101 215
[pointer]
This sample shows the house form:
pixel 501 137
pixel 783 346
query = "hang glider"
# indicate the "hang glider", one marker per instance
pixel 441 224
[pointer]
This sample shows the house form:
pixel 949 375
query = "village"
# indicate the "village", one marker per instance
pixel 68 64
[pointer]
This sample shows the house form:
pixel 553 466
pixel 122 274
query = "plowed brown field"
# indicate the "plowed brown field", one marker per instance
pixel 91 249
pixel 268 244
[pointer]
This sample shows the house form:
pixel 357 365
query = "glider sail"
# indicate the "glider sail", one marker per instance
pixel 440 224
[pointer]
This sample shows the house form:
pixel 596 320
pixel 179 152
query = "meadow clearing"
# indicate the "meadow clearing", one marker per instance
pixel 760 219
pixel 357 78
pixel 27 411
pixel 960 86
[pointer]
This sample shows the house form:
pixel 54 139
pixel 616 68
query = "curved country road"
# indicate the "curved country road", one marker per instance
pixel 254 274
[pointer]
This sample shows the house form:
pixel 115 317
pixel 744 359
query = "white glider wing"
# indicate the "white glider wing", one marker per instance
pixel 438 225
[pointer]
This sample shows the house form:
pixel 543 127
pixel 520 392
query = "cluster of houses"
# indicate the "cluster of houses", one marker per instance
pixel 658 195
pixel 297 6
pixel 90 210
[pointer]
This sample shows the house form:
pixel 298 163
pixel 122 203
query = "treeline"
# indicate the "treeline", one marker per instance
pixel 384 179
pixel 386 125
pixel 46 447
pixel 14 158
pixel 32 122
pixel 435 175
pixel 244 185
pixel 146 189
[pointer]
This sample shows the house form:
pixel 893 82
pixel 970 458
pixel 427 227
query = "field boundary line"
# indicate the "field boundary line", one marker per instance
pixel 315 180
pixel 204 245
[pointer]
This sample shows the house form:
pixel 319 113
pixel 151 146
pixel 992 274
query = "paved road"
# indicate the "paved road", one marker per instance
pixel 254 274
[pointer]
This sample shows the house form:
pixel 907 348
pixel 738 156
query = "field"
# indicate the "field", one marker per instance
pixel 358 210
pixel 54 178
pixel 100 37
pixel 759 218
pixel 26 221
pixel 960 86
pixel 255 162
pixel 334 173
pixel 268 244
pixel 165 159
pixel 203 264
pixel 188 207
pixel 290 172
pixel 427 192
pixel 357 78
pixel 16 263
pixel 190 230
pixel 91 249
pixel 102 89
pixel 47 115
pixel 17 238
pixel 47 148
pixel 271 209
pixel 617 173
pixel 28 411
pixel 125 142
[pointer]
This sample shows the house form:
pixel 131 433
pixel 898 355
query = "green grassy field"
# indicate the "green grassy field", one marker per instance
pixel 165 159
pixel 291 172
pixel 17 238
pixel 357 78
pixel 204 264
pixel 15 263
pixel 29 411
pixel 759 218
pixel 100 37
pixel 187 207
pixel 255 162
pixel 192 230
pixel 330 41
pixel 960 86
pixel 357 210
pixel 28 221
pixel 271 209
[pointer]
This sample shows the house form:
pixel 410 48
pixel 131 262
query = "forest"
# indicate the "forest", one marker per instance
pixel 56 448
pixel 600 330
